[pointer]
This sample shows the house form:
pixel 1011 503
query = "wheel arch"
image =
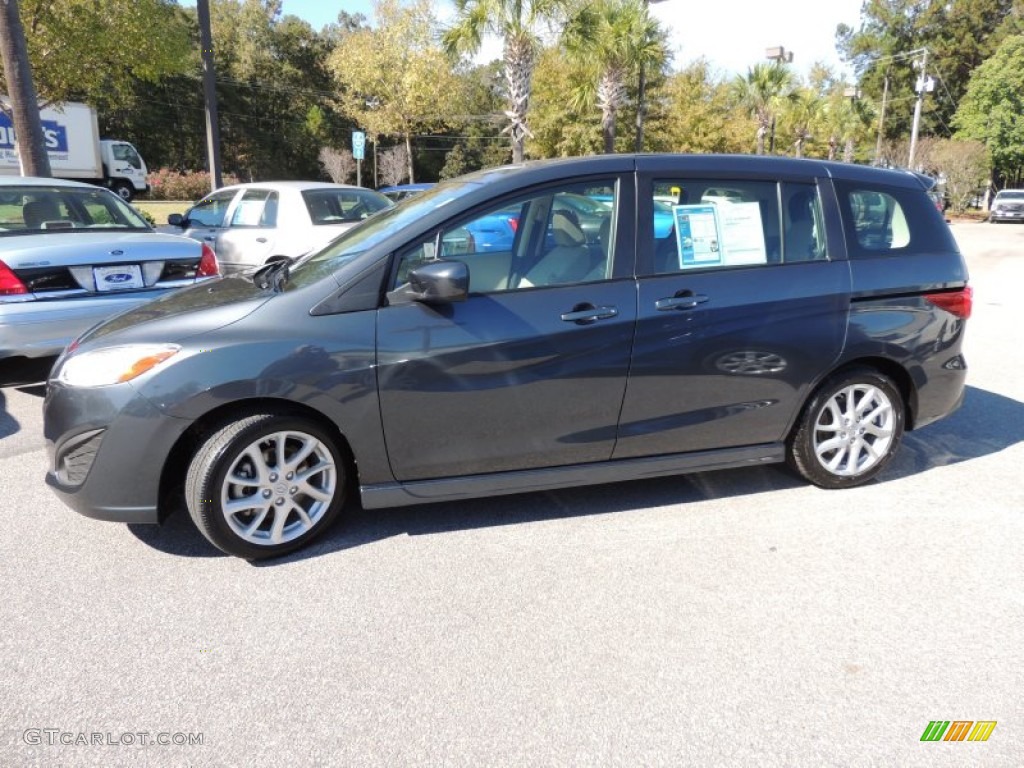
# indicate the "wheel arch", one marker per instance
pixel 172 476
pixel 900 376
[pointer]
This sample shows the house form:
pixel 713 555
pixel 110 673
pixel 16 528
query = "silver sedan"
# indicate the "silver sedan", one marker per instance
pixel 71 255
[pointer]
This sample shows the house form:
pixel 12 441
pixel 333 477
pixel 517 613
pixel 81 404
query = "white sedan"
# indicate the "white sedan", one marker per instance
pixel 249 225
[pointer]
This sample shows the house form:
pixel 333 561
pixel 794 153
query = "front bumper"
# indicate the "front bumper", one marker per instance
pixel 107 449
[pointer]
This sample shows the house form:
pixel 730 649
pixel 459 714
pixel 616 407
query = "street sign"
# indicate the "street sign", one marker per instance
pixel 358 145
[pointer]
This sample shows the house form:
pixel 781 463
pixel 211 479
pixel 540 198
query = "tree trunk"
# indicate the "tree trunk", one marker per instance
pixel 761 131
pixel 518 73
pixel 28 127
pixel 611 94
pixel 848 150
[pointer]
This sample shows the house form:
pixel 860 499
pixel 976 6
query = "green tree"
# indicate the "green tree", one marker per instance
pixel 560 126
pixel 694 111
pixel 761 93
pixel 959 35
pixel 613 38
pixel 515 22
pixel 395 79
pixel 802 114
pixel 992 111
pixel 96 50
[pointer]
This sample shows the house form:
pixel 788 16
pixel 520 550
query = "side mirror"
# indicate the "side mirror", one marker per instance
pixel 176 220
pixel 436 282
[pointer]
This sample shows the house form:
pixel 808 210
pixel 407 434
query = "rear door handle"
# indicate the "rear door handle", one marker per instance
pixel 686 301
pixel 584 315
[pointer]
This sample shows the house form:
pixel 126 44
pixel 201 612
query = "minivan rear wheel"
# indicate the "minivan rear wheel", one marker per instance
pixel 265 485
pixel 849 430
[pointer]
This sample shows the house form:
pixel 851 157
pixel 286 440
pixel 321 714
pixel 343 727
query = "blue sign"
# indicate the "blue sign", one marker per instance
pixel 358 145
pixel 55 134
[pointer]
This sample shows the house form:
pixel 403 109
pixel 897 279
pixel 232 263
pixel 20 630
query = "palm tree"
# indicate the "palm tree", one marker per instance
pixel 804 110
pixel 761 92
pixel 515 21
pixel 616 37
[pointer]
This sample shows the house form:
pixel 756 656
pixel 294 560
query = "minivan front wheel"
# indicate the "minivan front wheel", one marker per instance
pixel 849 430
pixel 265 485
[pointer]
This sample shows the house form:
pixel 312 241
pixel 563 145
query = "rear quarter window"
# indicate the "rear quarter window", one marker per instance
pixel 891 221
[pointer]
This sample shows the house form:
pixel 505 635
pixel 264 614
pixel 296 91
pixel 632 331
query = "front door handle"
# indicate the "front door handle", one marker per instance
pixel 587 313
pixel 682 300
pixel 261 239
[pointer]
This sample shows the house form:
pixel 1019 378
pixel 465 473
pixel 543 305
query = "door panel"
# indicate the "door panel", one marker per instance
pixel 502 382
pixel 732 361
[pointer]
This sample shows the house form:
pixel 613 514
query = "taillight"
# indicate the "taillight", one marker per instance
pixel 208 266
pixel 513 223
pixel 10 283
pixel 957 303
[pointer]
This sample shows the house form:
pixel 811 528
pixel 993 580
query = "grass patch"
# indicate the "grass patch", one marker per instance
pixel 161 209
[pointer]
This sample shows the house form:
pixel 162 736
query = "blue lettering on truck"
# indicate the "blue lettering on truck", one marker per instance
pixel 56 135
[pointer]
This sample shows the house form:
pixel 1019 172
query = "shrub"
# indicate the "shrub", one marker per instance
pixel 168 184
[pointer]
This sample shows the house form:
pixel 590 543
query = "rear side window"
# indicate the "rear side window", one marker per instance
pixel 718 223
pixel 891 221
pixel 337 206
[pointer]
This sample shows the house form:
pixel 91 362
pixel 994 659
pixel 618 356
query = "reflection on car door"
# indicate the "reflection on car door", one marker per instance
pixel 724 355
pixel 529 374
pixel 502 381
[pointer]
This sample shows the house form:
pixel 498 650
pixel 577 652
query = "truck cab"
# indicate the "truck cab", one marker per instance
pixel 123 168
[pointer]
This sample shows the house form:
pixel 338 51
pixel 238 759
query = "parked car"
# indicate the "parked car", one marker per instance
pixel 72 254
pixel 811 322
pixel 249 225
pixel 400 192
pixel 1008 205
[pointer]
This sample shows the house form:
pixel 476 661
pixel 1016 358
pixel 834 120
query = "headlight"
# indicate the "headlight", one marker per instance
pixel 114 365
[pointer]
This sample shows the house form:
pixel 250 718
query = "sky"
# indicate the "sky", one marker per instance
pixel 731 34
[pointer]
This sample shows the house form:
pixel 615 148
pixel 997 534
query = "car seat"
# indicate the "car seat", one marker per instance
pixel 37 212
pixel 568 262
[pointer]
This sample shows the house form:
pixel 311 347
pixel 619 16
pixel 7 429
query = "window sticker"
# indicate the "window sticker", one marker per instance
pixel 742 234
pixel 697 235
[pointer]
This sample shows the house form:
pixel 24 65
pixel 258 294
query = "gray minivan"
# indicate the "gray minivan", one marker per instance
pixel 764 310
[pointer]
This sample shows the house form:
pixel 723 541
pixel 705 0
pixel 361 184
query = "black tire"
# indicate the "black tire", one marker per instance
pixel 124 190
pixel 278 509
pixel 839 443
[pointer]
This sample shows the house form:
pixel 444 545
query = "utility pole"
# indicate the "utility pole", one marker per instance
pixel 210 94
pixel 24 106
pixel 881 119
pixel 924 84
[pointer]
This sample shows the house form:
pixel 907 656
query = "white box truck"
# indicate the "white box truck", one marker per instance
pixel 76 151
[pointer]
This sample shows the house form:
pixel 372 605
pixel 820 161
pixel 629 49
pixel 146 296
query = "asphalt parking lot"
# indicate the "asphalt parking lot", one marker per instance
pixel 732 618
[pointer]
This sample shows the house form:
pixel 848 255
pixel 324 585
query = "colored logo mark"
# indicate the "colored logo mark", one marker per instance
pixel 958 730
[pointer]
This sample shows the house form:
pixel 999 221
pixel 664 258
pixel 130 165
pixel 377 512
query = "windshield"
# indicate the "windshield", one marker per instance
pixel 34 209
pixel 1015 194
pixel 375 230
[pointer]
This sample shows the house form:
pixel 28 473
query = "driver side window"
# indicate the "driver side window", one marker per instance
pixel 560 236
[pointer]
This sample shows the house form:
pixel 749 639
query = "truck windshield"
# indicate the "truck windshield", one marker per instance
pixel 32 209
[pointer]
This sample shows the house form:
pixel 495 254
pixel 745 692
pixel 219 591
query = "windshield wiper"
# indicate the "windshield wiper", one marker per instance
pixel 274 275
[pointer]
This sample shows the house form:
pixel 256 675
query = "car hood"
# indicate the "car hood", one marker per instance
pixel 176 316
pixel 82 248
